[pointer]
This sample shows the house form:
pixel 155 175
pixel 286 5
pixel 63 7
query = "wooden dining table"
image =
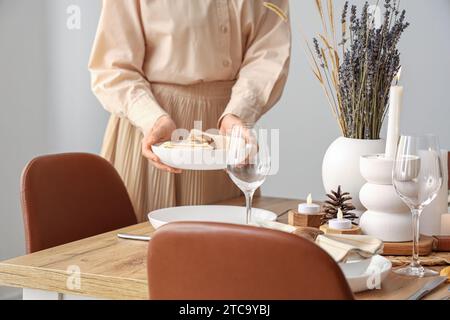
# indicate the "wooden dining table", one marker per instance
pixel 106 267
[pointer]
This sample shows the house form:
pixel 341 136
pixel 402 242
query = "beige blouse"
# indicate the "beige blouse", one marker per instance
pixel 140 42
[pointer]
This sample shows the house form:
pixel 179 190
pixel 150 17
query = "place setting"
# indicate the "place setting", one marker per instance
pixel 199 191
pixel 378 191
pixel 331 225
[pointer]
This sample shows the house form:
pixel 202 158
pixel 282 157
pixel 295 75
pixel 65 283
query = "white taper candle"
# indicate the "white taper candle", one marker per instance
pixel 393 130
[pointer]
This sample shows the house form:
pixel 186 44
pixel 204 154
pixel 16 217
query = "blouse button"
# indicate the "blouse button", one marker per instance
pixel 224 29
pixel 226 63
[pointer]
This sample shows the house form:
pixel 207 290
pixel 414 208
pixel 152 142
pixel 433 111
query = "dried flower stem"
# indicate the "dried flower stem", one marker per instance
pixel 357 83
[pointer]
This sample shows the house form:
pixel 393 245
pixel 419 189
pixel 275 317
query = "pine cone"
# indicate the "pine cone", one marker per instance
pixel 338 200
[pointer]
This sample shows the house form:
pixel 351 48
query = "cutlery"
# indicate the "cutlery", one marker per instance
pixel 133 237
pixel 427 288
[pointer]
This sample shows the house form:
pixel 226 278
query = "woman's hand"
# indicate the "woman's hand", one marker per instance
pixel 161 132
pixel 226 127
pixel 228 122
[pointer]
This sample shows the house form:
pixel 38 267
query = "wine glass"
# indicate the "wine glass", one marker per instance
pixel 417 178
pixel 248 161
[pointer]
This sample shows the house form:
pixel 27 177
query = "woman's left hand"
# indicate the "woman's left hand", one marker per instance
pixel 228 122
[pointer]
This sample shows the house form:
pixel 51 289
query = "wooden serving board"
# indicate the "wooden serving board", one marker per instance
pixel 405 248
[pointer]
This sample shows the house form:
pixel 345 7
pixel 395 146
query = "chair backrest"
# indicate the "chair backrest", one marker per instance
pixel 194 260
pixel 67 197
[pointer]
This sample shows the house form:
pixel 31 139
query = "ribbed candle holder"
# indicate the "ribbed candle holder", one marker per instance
pixel 387 217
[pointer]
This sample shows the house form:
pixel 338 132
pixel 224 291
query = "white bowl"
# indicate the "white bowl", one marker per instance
pixel 224 214
pixel 191 158
pixel 366 274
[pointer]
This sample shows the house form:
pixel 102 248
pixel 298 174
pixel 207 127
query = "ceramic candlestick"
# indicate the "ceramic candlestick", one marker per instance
pixel 387 217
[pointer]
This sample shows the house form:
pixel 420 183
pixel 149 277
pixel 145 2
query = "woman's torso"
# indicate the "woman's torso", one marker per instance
pixel 191 41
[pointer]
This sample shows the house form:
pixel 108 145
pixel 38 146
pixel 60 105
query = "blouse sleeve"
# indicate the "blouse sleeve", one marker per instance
pixel 265 66
pixel 116 65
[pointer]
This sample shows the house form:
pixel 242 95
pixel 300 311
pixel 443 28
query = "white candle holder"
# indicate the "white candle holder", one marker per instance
pixel 387 217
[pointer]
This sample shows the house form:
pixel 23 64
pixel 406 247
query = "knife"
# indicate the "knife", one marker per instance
pixel 133 237
pixel 427 288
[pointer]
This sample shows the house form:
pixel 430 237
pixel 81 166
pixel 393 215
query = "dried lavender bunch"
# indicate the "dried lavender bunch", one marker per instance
pixel 357 81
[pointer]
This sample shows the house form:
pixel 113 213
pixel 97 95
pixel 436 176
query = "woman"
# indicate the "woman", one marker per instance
pixel 158 65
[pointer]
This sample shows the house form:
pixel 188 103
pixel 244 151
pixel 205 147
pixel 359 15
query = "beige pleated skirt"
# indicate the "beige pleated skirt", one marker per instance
pixel 150 188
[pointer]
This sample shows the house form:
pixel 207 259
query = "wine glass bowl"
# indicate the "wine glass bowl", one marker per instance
pixel 417 178
pixel 248 161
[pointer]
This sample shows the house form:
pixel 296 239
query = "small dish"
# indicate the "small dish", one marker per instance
pixel 366 274
pixel 189 158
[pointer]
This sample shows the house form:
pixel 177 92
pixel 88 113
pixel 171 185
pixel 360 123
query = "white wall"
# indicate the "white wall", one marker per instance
pixel 23 117
pixel 46 104
pixel 75 119
pixel 307 126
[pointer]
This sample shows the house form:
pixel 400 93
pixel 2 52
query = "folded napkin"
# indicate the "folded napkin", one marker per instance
pixel 273 225
pixel 349 247
pixel 305 232
pixel 341 247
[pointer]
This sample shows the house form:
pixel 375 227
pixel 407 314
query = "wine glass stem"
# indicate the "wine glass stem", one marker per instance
pixel 416 234
pixel 248 203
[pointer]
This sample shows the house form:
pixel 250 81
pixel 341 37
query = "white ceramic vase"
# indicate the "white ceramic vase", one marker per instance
pixel 341 166
pixel 387 217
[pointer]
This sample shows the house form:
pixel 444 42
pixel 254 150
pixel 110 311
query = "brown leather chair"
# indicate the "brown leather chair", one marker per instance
pixel 193 260
pixel 67 197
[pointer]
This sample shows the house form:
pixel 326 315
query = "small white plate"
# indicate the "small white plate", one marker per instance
pixel 364 274
pixel 224 214
pixel 191 158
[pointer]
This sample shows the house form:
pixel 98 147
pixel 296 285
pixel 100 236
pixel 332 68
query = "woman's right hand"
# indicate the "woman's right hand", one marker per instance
pixel 161 132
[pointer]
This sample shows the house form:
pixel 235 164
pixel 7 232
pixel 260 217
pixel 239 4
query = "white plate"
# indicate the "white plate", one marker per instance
pixel 191 158
pixel 364 274
pixel 225 214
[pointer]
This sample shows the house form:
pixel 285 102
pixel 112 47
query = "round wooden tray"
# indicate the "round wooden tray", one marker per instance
pixel 405 248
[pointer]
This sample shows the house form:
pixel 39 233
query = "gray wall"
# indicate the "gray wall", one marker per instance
pixel 23 116
pixel 47 105
pixel 75 119
pixel 307 126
